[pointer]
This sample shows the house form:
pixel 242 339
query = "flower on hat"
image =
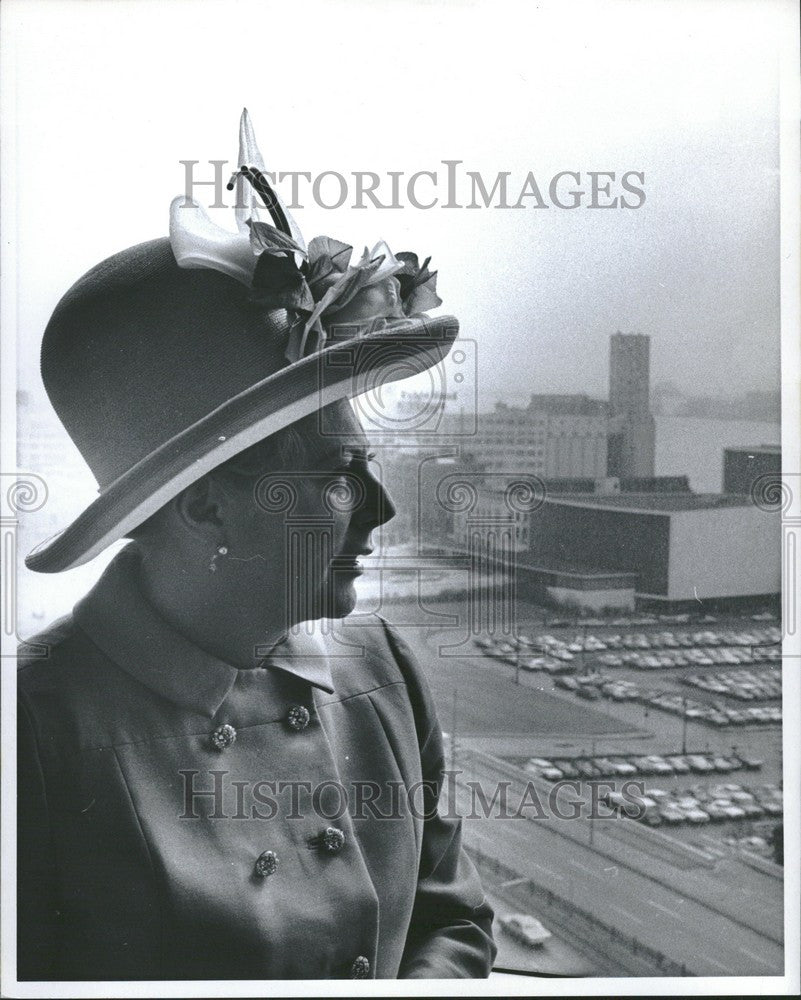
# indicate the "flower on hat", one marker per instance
pixel 319 287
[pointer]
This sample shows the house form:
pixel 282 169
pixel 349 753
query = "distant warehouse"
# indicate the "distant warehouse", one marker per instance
pixel 680 547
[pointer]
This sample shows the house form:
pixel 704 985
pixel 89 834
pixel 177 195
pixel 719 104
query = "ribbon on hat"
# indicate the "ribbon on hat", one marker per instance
pixel 318 286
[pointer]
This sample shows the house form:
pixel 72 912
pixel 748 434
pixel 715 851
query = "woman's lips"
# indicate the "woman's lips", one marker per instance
pixel 348 564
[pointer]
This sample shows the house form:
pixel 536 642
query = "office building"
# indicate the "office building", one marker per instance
pixel 632 431
pixel 742 467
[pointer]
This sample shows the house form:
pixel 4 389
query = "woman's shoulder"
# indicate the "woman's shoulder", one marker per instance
pixel 45 654
pixel 382 654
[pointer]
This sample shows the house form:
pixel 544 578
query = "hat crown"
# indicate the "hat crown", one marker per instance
pixel 139 349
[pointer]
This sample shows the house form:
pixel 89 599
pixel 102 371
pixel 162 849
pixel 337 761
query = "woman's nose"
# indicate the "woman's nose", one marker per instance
pixel 378 507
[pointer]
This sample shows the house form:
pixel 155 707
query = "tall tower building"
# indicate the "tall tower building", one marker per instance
pixel 631 427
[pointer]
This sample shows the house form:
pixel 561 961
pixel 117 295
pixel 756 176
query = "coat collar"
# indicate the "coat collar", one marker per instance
pixel 120 622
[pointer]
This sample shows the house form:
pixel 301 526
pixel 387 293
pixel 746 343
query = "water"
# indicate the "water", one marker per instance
pixel 693 446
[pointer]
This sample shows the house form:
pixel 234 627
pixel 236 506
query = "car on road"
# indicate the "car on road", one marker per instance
pixel 526 929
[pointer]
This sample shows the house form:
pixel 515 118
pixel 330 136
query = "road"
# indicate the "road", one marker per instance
pixel 555 957
pixel 707 942
pixel 505 719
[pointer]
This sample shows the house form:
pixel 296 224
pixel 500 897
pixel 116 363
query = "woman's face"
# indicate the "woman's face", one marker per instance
pixel 297 533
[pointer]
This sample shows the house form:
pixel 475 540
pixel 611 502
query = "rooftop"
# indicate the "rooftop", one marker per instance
pixel 654 503
pixel 758 449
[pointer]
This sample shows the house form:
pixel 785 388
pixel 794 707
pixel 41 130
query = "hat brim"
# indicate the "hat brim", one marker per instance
pixel 341 370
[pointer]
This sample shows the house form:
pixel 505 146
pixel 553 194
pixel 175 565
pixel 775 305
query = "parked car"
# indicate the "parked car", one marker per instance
pixel 532 662
pixel 696 815
pixel 659 764
pixel 544 769
pixel 670 814
pixel 643 765
pixel 715 812
pixel 679 764
pixel 623 767
pixel 568 683
pixel 553 666
pixel 752 810
pixel 525 929
pixel 750 763
pixel 567 767
pixel 700 764
pixel 604 765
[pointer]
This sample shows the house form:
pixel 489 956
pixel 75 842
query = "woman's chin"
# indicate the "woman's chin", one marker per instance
pixel 344 599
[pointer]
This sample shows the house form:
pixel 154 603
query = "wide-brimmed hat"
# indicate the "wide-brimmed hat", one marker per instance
pixel 173 356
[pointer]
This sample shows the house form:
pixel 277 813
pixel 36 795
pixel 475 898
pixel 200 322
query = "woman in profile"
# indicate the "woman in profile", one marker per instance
pixel 211 783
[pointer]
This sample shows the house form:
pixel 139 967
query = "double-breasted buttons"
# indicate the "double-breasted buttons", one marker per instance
pixel 360 968
pixel 332 840
pixel 298 717
pixel 223 737
pixel 266 863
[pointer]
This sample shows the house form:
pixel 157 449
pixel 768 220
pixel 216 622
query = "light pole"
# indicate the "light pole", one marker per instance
pixel 453 730
pixel 684 726
pixel 684 719
pixel 592 803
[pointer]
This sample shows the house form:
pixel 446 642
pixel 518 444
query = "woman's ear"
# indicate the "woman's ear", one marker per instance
pixel 199 507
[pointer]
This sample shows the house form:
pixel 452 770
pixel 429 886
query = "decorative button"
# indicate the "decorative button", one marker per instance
pixel 266 863
pixel 223 737
pixel 332 840
pixel 360 968
pixel 298 717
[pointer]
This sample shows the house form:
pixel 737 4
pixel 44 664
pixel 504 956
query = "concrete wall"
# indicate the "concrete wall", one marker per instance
pixel 612 539
pixel 591 600
pixel 729 552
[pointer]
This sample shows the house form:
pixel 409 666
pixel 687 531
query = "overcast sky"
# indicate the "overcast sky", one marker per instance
pixel 111 96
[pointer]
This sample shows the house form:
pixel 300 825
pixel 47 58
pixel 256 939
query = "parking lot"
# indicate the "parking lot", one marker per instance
pixel 652 667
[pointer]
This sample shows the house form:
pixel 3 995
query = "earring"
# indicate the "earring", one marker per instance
pixel 221 551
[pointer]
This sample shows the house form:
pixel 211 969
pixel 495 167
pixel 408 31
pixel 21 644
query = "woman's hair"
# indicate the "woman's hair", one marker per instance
pixel 282 450
pixel 290 448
